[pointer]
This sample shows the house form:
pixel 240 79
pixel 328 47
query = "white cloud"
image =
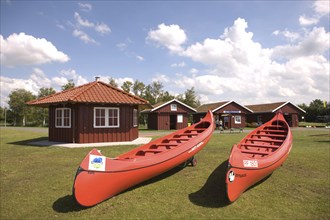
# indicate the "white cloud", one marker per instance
pixel 85 7
pixel 81 22
pixel 291 36
pixel 240 69
pixel 140 58
pixel 160 78
pixel 172 37
pixel 322 7
pixel 22 49
pixel 102 28
pixel 305 21
pixel 181 64
pixel 72 74
pixel 36 80
pixel 314 42
pixel 83 36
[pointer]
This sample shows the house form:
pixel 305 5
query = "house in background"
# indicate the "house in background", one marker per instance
pixel 168 115
pixel 94 112
pixel 232 114
pixel 264 112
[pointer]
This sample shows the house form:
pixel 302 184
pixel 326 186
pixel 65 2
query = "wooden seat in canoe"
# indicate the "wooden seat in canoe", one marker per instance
pixel 260 145
pixel 255 152
pixel 264 140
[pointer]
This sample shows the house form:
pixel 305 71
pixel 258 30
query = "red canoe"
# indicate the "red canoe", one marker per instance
pixel 99 178
pixel 258 155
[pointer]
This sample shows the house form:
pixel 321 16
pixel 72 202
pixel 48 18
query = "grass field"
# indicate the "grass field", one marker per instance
pixel 36 183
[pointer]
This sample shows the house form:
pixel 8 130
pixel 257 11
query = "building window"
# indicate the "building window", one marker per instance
pixel 135 117
pixel 106 117
pixel 180 119
pixel 63 118
pixel 238 119
pixel 173 107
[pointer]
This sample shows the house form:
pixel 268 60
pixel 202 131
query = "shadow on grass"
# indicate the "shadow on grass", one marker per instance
pixel 29 141
pixel 67 204
pixel 213 193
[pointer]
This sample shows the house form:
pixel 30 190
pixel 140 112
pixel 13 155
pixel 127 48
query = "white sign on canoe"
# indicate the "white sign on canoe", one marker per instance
pixel 96 162
pixel 250 163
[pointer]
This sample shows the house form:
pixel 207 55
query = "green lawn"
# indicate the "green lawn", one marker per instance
pixel 36 183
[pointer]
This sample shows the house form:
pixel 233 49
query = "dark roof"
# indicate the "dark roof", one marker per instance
pixel 216 106
pixel 210 106
pixel 94 92
pixel 161 104
pixel 270 107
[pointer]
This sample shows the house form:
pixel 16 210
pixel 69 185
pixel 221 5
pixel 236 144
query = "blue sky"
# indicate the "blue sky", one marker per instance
pixel 248 51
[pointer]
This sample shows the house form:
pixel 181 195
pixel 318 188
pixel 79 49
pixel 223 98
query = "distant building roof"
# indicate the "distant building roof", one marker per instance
pixel 162 104
pixel 216 106
pixel 270 107
pixel 93 92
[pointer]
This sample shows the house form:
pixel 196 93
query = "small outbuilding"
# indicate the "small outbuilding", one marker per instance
pixel 228 114
pixel 168 115
pixel 264 112
pixel 94 112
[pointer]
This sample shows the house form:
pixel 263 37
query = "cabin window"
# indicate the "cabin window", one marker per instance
pixel 63 118
pixel 180 119
pixel 173 107
pixel 106 117
pixel 238 119
pixel 135 117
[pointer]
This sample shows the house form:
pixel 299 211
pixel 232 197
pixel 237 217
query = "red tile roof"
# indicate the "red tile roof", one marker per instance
pixel 94 92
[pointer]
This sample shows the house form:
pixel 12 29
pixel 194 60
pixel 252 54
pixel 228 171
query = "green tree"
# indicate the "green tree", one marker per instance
pixel 127 85
pixel 190 98
pixel 153 92
pixel 43 92
pixel 17 104
pixel 69 85
pixel 112 82
pixel 42 116
pixel 139 88
pixel 315 108
pixel 165 97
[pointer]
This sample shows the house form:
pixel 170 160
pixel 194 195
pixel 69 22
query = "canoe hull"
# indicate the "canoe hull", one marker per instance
pixel 244 171
pixel 92 187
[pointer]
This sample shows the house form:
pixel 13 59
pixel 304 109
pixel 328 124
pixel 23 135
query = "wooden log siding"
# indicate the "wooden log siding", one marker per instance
pixel 82 126
pixel 160 118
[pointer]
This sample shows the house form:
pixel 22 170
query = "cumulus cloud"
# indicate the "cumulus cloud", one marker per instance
pixel 22 49
pixel 321 8
pixel 171 37
pixel 239 68
pixel 37 80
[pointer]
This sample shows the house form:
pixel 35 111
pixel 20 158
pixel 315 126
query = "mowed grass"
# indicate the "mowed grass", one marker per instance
pixel 36 183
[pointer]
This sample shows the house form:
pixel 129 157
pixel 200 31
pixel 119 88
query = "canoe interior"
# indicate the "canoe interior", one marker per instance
pixel 264 141
pixel 169 142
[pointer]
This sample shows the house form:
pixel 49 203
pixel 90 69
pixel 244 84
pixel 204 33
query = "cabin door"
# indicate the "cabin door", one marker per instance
pixel 173 122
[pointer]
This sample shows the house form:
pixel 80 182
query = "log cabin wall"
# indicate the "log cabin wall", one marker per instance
pixel 82 128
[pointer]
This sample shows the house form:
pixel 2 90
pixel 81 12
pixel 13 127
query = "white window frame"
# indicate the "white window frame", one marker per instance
pixel 62 118
pixel 238 119
pixel 179 119
pixel 106 124
pixel 135 118
pixel 174 107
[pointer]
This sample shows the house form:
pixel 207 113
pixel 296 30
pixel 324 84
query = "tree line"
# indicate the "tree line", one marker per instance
pixel 20 114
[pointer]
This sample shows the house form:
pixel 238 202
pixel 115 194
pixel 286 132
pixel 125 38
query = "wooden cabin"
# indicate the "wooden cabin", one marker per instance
pixel 94 112
pixel 168 115
pixel 264 112
pixel 228 114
